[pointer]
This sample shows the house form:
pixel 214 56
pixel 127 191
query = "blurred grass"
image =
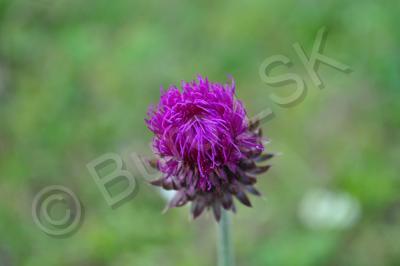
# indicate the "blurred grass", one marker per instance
pixel 76 78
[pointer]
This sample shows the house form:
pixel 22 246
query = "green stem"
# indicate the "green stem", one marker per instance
pixel 225 250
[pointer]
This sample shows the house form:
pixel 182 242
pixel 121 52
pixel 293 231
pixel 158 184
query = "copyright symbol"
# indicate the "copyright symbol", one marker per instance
pixel 57 211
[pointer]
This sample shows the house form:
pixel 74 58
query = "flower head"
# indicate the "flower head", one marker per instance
pixel 206 147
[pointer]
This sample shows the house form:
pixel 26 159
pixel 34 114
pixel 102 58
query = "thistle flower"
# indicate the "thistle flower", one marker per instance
pixel 206 147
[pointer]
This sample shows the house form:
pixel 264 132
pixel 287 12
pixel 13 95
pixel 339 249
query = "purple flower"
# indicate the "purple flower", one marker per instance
pixel 206 147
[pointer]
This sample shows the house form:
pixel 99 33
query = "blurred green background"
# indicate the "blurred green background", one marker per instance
pixel 76 78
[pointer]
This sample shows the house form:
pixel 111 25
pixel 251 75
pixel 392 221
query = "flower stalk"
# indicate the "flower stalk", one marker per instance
pixel 225 249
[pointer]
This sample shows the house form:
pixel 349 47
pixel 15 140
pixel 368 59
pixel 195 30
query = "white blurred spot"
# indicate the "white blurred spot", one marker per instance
pixel 325 209
pixel 167 194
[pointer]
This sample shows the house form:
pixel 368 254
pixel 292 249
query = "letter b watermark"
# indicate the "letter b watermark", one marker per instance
pixel 117 175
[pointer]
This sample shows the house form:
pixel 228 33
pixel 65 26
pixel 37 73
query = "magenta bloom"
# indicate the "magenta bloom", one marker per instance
pixel 205 145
